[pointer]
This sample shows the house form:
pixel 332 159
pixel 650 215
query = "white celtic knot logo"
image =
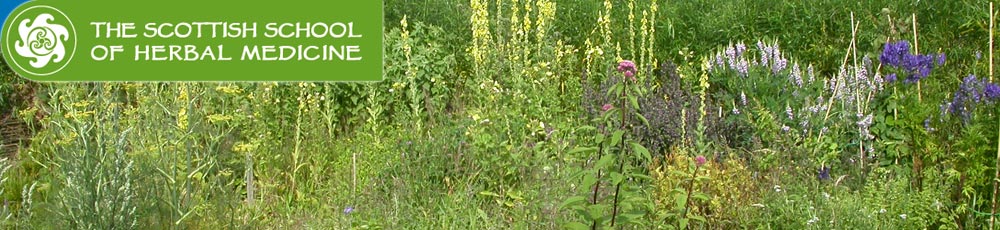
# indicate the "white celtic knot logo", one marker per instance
pixel 42 40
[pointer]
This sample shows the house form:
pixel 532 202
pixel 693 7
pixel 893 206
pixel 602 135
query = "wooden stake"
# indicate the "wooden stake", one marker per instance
pixel 996 177
pixel 916 50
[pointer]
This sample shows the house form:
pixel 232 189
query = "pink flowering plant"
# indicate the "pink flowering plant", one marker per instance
pixel 612 194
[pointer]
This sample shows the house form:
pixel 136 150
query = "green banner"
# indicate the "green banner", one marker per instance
pixel 188 40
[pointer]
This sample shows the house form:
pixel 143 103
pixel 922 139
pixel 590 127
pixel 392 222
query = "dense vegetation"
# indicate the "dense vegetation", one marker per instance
pixel 546 114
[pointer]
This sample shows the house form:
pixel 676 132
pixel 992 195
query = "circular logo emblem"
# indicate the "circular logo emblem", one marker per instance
pixel 40 40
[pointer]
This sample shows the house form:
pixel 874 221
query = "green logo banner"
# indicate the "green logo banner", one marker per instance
pixel 188 40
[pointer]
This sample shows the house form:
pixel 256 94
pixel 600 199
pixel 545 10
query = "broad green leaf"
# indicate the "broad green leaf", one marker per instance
pixel 645 122
pixel 641 151
pixel 575 226
pixel 597 211
pixel 616 137
pixel 700 196
pixel 583 150
pixel 680 199
pixel 616 177
pixel 605 161
pixel 589 181
pixel 634 101
pixel 641 176
pixel 573 201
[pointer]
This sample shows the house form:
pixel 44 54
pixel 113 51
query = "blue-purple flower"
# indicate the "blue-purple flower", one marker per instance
pixel 972 92
pixel 991 91
pixel 348 210
pixel 893 53
pixel 890 78
pixel 927 125
pixel 824 173
pixel 913 67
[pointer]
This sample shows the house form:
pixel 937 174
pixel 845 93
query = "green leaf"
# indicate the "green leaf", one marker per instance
pixel 575 226
pixel 488 193
pixel 700 196
pixel 698 218
pixel 573 201
pixel 589 181
pixel 583 150
pixel 682 223
pixel 605 161
pixel 643 118
pixel 641 176
pixel 634 101
pixel 617 178
pixel 595 211
pixel 616 137
pixel 680 199
pixel 641 151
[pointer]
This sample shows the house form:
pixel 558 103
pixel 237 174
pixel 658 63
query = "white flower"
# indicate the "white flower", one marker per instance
pixel 813 220
pixel 826 195
pixel 881 211
pixel 903 216
pixel 777 188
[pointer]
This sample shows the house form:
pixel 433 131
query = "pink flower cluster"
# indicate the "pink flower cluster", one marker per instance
pixel 627 68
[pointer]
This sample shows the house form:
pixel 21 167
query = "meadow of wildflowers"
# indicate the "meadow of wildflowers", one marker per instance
pixel 546 114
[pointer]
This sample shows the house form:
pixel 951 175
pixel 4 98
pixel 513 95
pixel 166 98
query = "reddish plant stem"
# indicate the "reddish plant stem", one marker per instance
pixel 687 202
pixel 621 160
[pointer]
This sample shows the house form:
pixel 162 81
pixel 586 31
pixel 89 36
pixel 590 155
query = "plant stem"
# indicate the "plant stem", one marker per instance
pixel 597 184
pixel 687 202
pixel 621 156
